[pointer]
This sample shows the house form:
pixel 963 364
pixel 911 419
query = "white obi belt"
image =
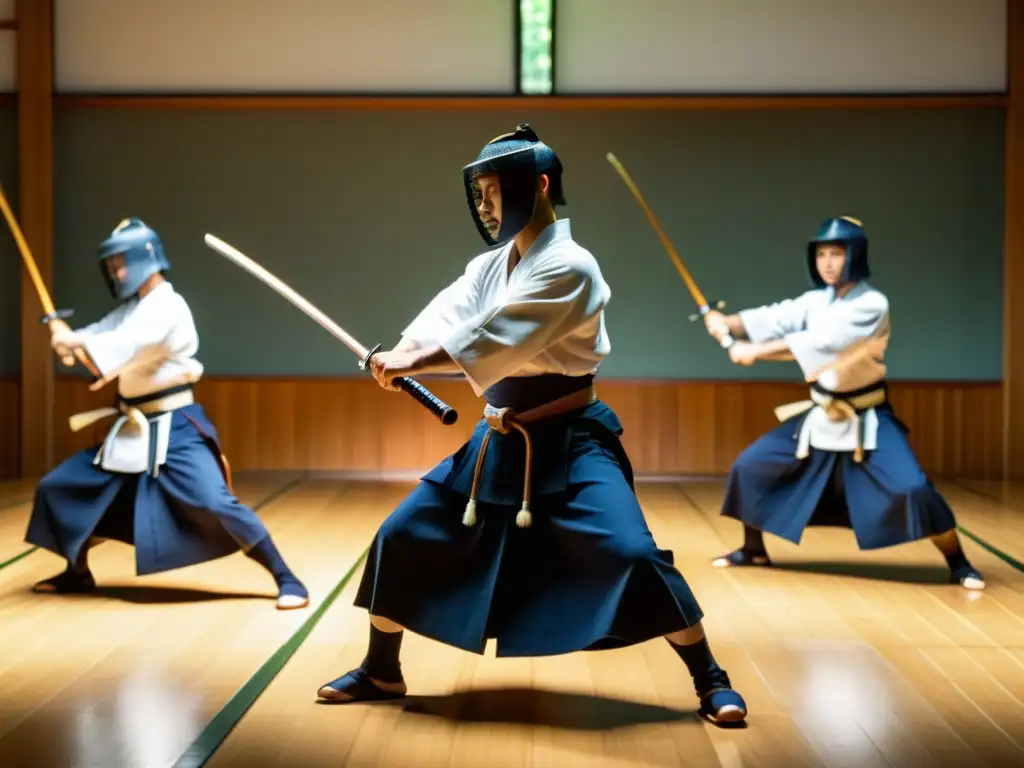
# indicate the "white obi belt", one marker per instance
pixel 137 441
pixel 837 421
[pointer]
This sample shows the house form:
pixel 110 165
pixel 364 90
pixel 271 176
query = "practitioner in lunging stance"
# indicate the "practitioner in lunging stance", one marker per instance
pixel 841 458
pixel 531 532
pixel 158 480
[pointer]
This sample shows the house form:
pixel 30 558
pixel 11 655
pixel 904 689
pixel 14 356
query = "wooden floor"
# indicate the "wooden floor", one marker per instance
pixel 845 658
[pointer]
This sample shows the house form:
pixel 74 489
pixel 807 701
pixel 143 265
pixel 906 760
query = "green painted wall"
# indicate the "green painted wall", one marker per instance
pixel 364 213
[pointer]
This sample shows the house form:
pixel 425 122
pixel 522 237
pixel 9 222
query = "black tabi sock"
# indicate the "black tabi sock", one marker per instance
pixel 957 560
pixel 704 670
pixel 266 554
pixel 382 660
pixel 753 540
pixel 81 564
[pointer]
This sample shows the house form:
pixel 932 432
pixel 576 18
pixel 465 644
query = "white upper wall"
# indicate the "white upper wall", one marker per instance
pixel 284 45
pixel 738 46
pixel 609 46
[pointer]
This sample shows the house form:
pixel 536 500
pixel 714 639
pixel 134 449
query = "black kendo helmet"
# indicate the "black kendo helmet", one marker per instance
pixel 848 232
pixel 518 159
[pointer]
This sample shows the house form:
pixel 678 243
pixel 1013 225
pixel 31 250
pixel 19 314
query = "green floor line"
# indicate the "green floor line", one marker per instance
pixel 16 558
pixel 1006 558
pixel 270 498
pixel 209 741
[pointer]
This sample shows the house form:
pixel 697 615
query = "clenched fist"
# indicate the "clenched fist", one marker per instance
pixel 717 325
pixel 388 366
pixel 64 341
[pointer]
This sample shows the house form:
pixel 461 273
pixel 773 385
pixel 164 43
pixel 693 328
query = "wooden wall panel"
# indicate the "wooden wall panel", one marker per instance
pixel 36 219
pixel 672 427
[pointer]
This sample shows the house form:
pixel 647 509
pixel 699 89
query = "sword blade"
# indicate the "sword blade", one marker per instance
pixel 287 292
pixel 417 391
pixel 691 284
pixel 702 303
pixel 26 257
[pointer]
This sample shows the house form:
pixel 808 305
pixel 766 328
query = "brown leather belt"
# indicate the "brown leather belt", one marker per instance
pixel 504 420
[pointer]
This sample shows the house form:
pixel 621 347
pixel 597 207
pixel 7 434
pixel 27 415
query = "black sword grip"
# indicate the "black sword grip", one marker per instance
pixel 429 400
pixel 424 396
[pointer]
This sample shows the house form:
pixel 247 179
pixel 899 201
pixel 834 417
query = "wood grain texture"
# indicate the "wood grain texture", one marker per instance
pixel 671 427
pixel 845 658
pixel 35 214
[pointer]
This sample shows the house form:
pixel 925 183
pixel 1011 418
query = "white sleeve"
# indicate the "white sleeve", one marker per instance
pixel 447 311
pixel 816 347
pixel 144 332
pixel 541 310
pixel 774 321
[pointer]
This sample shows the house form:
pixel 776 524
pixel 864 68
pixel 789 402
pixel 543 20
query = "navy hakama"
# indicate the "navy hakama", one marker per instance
pixel 184 516
pixel 886 499
pixel 585 575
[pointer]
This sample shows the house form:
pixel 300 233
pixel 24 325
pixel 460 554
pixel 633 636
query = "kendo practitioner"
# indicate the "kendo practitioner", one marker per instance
pixel 531 533
pixel 158 480
pixel 841 458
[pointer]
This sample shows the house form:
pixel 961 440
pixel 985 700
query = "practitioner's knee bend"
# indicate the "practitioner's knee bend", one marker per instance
pixel 634 546
pixel 385 625
pixel 51 481
pixel 948 542
pixel 687 636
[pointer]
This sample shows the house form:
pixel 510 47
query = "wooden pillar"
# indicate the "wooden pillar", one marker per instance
pixel 1013 290
pixel 35 214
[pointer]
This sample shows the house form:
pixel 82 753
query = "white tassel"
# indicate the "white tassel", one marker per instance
pixel 524 518
pixel 469 517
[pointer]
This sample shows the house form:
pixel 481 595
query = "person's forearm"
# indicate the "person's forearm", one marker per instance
pixel 777 350
pixel 405 344
pixel 436 359
pixel 736 328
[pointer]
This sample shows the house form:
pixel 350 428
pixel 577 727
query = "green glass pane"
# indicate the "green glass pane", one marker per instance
pixel 535 46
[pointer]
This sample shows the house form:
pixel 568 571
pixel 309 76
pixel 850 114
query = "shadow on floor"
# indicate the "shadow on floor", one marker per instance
pixel 147 595
pixel 529 706
pixel 906 573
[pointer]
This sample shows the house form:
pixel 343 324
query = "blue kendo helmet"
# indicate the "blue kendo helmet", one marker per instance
pixel 848 232
pixel 518 159
pixel 143 256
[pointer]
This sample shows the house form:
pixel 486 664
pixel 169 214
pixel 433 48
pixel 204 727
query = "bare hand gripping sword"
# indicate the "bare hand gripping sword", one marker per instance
pixel 703 307
pixel 421 394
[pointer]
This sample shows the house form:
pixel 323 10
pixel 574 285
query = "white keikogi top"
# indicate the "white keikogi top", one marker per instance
pixel 547 316
pixel 818 326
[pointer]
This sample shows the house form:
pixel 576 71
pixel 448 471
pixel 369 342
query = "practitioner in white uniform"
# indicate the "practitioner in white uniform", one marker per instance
pixel 841 458
pixel 531 532
pixel 159 480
